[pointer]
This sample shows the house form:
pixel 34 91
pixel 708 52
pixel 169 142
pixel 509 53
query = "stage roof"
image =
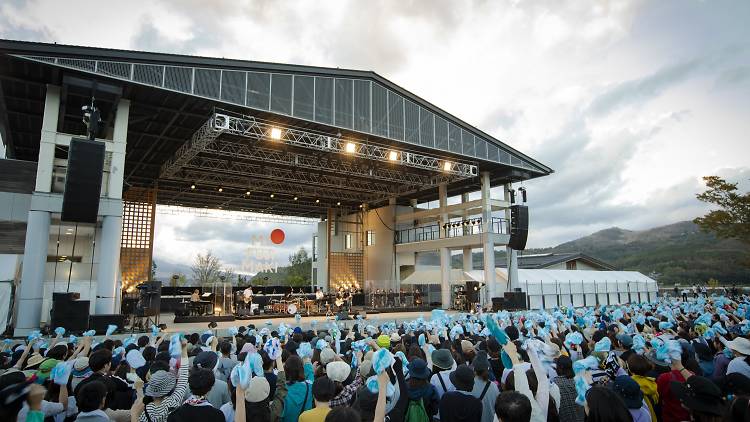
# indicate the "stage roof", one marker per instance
pixel 401 142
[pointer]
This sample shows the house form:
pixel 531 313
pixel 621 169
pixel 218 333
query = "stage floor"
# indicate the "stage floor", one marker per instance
pixel 222 327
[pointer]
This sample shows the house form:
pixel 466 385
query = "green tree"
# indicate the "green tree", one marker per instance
pixel 206 268
pixel 297 281
pixel 732 219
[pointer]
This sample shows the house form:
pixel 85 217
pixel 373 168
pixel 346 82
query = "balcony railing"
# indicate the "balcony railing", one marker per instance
pixel 449 230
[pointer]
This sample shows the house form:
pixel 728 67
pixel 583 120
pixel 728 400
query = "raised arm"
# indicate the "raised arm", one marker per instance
pixel 175 399
pixel 542 389
pixel 383 381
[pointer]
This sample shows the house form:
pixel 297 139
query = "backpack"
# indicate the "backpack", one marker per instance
pixel 416 412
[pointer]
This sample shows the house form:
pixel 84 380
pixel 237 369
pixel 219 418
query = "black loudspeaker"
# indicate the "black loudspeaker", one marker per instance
pixel 515 300
pixel 149 301
pixel 71 314
pixel 100 323
pixel 472 291
pixel 498 304
pixel 83 181
pixel 519 226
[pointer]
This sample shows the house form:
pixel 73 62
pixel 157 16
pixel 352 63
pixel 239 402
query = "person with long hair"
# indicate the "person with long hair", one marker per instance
pixel 299 388
pixel 569 409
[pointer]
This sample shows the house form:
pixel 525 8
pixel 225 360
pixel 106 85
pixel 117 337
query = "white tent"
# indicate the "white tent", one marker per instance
pixel 549 288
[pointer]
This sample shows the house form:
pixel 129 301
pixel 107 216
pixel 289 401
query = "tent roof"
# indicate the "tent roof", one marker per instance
pixel 556 276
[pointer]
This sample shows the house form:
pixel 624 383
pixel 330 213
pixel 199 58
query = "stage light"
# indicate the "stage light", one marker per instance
pixel 247 193
pixel 350 147
pixel 275 133
pixel 393 156
pixel 447 166
pixel 295 198
pixel 361 206
pixel 317 201
pixel 272 195
pixel 221 189
pixel 338 203
pixel 192 186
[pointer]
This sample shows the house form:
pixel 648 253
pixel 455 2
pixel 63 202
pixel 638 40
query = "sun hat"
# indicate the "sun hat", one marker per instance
pixel 442 358
pixel 740 345
pixel 34 360
pixel 160 384
pixel 384 341
pixel 466 346
pixel 338 371
pixel 395 338
pixel 327 355
pixel 81 366
pixel 699 393
pixel 629 391
pixel 258 390
pixel 418 369
pixel 45 368
pixel 463 378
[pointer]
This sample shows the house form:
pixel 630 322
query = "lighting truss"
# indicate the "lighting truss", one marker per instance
pixel 241 168
pixel 233 215
pixel 250 127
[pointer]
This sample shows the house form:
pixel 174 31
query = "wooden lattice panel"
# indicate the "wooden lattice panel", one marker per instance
pixel 347 270
pixel 139 212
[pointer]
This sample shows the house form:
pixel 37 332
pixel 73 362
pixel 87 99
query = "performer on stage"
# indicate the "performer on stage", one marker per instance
pixel 319 294
pixel 247 295
pixel 196 296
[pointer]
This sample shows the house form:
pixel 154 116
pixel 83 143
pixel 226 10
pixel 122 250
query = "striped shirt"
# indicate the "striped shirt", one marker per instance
pixel 159 412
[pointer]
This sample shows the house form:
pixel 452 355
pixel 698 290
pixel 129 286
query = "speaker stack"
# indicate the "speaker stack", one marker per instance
pixel 515 300
pixel 83 181
pixel 69 312
pixel 149 302
pixel 519 226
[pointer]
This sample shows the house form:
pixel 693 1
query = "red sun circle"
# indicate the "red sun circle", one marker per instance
pixel 277 236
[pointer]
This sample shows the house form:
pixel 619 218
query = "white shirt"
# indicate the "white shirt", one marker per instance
pixel 319 294
pixel 248 292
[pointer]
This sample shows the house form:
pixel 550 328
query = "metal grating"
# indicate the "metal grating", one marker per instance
pixel 118 69
pixel 426 128
pixel 395 116
pixel 136 247
pixel 343 103
pixel 481 148
pixel 379 110
pixel 467 140
pixel 324 100
pixel 454 138
pixel 233 86
pixel 281 93
pixel 411 122
pixel 304 97
pixel 207 83
pixel 178 78
pixel 258 90
pixel 148 74
pixel 362 105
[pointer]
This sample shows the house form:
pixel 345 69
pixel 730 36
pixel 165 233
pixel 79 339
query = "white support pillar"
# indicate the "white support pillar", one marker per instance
pixel 29 304
pixel 109 264
pixel 47 140
pixel 108 274
pixel 511 254
pixel 468 263
pixel 488 240
pixel 445 254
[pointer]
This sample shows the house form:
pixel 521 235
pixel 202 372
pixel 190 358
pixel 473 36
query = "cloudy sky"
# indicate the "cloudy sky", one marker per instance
pixel 630 102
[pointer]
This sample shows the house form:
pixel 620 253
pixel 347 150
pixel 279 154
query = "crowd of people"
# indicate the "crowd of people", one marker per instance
pixel 670 360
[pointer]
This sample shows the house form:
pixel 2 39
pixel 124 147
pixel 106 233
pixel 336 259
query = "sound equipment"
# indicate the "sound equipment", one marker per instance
pixel 515 300
pixel 472 291
pixel 498 304
pixel 101 322
pixel 149 300
pixel 83 181
pixel 519 227
pixel 71 314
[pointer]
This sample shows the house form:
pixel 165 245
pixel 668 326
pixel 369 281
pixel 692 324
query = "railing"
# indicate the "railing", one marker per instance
pixel 449 230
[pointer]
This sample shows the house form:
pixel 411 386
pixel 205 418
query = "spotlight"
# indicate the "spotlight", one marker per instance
pixel 361 206
pixel 221 189
pixel 317 201
pixel 247 193
pixel 275 133
pixel 393 156
pixel 447 166
pixel 295 198
pixel 338 203
pixel 350 147
pixel 272 195
pixel 192 186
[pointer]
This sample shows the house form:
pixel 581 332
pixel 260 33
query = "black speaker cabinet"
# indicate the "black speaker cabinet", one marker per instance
pixel 73 315
pixel 149 301
pixel 498 304
pixel 519 226
pixel 472 291
pixel 83 181
pixel 515 300
pixel 101 322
